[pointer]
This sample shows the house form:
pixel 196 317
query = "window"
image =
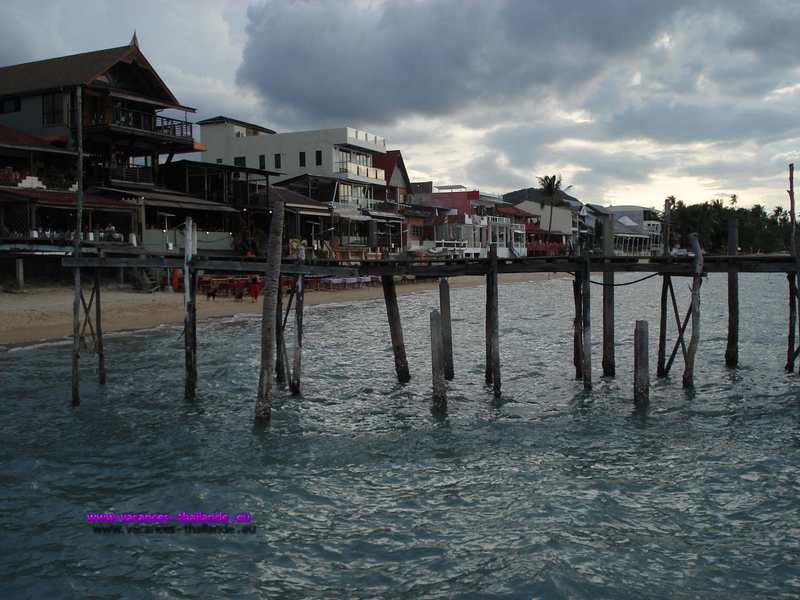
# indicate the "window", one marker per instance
pixel 318 157
pixel 416 231
pixel 219 161
pixel 302 159
pixel 55 109
pixel 9 105
pixel 277 161
pixel 262 161
pixel 239 161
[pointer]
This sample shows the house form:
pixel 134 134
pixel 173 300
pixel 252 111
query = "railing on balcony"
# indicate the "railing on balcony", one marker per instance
pixel 131 174
pixel 144 121
pixel 352 168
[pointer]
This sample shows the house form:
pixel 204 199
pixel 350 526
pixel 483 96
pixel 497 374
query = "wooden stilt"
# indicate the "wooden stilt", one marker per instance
pixel 76 300
pixel 190 313
pixel 263 412
pixel 98 324
pixel 447 330
pixel 577 337
pixel 790 350
pixel 121 275
pixel 661 370
pixel 586 315
pixel 438 364
pixel 20 272
pixel 280 365
pixel 641 364
pixel 694 340
pixel 609 360
pixel 493 318
pixel 395 328
pixel 679 343
pixel 295 384
pixel 732 348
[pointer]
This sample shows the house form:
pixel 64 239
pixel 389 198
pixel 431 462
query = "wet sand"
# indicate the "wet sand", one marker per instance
pixel 45 313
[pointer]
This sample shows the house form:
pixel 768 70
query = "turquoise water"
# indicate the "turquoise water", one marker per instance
pixel 356 490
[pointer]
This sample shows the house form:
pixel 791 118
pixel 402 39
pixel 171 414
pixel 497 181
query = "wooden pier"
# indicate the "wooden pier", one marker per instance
pixel 284 370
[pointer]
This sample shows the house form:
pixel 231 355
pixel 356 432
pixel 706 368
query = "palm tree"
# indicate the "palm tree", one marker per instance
pixel 734 199
pixel 551 188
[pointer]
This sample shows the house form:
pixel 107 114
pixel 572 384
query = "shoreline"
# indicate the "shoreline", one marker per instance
pixel 43 315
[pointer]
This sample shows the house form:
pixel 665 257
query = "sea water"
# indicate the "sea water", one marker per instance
pixel 357 490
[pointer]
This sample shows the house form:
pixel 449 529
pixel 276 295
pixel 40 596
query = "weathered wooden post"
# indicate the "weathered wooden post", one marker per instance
pixel 272 274
pixel 395 328
pixel 437 364
pixel 577 324
pixel 661 370
pixel 790 350
pixel 190 313
pixel 587 324
pixel 732 348
pixel 694 340
pixel 98 323
pixel 493 324
pixel 280 363
pixel 667 224
pixel 641 364
pixel 20 272
pixel 295 384
pixel 76 300
pixel 447 329
pixel 609 360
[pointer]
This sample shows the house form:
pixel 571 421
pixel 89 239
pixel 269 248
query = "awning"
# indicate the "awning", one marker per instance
pixel 64 200
pixel 170 200
pixel 351 214
pixel 385 216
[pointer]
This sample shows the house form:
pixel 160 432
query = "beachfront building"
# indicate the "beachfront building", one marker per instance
pixel 123 112
pixel 555 229
pixel 637 230
pixel 397 183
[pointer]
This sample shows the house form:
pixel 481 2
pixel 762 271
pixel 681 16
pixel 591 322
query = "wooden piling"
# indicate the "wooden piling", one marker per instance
pixel 694 340
pixel 20 272
pixel 641 364
pixel 438 364
pixel 395 328
pixel 586 332
pixel 76 299
pixel 609 360
pixel 295 384
pixel 732 347
pixel 447 330
pixel 577 325
pixel 661 370
pixel 190 313
pixel 272 272
pixel 280 364
pixel 790 350
pixel 98 325
pixel 492 324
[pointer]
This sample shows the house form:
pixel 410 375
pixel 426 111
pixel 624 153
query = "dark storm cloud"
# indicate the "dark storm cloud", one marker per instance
pixel 379 62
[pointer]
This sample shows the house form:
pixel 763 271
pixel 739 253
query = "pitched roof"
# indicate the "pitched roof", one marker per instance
pixel 220 120
pixel 70 71
pixel 389 162
pixel 510 209
pixel 537 195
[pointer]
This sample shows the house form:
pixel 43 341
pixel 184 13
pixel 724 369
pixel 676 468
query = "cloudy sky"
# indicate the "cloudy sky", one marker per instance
pixel 629 100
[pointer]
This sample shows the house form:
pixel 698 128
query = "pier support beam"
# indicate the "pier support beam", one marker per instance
pixel 395 328
pixel 280 364
pixel 76 299
pixel 790 350
pixel 98 327
pixel 694 340
pixel 641 364
pixel 587 324
pixel 447 329
pixel 666 284
pixel 609 360
pixel 438 365
pixel 492 325
pixel 295 384
pixel 732 348
pixel 577 325
pixel 190 314
pixel 20 271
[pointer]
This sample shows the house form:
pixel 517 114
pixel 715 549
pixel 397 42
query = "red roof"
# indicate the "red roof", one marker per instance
pixel 14 137
pixel 388 162
pixel 513 210
pixel 48 197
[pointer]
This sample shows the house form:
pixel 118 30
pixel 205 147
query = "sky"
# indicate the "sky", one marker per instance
pixel 629 101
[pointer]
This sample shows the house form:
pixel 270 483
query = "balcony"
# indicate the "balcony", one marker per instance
pixel 362 137
pixel 351 168
pixel 131 174
pixel 143 121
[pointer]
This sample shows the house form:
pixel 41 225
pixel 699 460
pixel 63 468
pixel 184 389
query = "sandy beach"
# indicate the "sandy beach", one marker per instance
pixel 45 313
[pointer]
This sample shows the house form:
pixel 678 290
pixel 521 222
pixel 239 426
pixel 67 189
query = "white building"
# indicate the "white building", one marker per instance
pixel 637 230
pixel 344 154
